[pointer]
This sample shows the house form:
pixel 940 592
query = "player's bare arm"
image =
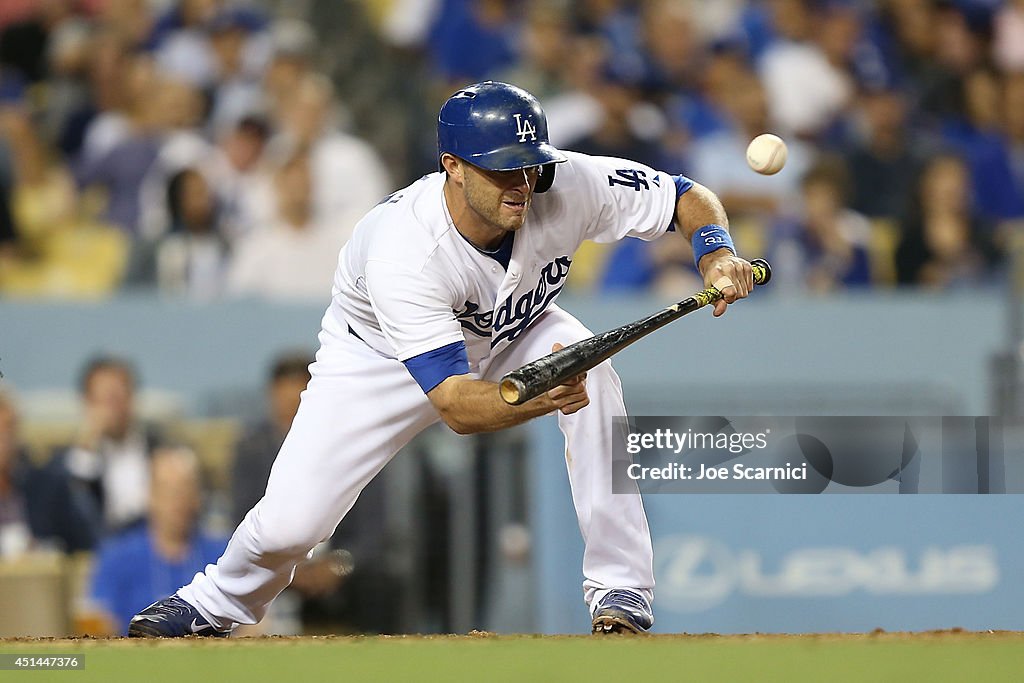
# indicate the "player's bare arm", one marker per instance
pixel 696 209
pixel 471 406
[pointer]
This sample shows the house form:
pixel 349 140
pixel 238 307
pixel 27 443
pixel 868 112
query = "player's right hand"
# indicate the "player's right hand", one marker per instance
pixel 572 395
pixel 729 274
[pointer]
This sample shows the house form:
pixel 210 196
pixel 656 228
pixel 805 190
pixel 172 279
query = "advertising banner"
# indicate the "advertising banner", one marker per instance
pixel 745 556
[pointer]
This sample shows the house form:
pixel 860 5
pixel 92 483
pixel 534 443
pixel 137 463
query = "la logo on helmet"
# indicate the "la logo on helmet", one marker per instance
pixel 524 128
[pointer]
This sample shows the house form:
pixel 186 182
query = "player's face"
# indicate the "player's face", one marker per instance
pixel 500 198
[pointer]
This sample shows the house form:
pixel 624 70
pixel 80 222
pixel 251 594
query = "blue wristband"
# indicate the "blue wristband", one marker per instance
pixel 709 238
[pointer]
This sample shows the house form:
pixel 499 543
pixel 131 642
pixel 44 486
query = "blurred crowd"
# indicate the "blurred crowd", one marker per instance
pixel 212 148
pixel 137 501
pixel 190 146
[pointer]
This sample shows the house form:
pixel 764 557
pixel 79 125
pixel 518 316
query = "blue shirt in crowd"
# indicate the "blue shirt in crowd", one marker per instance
pixel 130 575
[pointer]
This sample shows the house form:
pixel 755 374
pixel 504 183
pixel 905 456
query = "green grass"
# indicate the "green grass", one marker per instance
pixel 883 657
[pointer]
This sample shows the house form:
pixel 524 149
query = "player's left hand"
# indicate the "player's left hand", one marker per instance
pixel 730 275
pixel 571 395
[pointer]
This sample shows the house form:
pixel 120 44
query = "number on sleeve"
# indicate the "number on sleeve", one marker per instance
pixel 630 177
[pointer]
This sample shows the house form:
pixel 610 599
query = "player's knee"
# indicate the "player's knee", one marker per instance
pixel 282 535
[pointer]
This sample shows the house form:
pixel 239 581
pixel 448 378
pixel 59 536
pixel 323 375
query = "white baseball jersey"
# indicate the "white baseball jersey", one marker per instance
pixel 408 282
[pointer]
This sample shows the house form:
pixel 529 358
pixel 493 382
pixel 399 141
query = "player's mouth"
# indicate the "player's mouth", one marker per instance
pixel 515 206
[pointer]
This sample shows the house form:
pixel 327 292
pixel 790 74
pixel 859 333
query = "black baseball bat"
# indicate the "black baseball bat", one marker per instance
pixel 544 374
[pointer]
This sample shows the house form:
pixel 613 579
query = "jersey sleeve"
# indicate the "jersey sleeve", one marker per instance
pixel 414 311
pixel 433 367
pixel 629 199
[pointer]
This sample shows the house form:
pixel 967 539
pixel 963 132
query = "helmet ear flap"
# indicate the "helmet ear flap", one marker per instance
pixel 547 176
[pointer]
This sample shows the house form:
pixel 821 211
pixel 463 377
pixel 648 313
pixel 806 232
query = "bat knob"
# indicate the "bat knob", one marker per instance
pixel 512 390
pixel 762 271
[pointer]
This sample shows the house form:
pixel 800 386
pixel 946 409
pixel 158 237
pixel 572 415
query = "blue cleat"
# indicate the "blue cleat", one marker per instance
pixel 172 618
pixel 622 611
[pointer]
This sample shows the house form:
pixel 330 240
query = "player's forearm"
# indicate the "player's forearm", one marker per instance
pixel 471 406
pixel 697 208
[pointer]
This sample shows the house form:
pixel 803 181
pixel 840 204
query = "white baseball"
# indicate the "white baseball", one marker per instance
pixel 767 154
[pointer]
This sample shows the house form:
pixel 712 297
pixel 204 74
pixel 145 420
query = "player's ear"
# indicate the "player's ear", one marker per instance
pixel 453 166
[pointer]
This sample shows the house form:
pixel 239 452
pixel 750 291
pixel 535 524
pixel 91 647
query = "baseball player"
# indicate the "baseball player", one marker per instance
pixel 445 286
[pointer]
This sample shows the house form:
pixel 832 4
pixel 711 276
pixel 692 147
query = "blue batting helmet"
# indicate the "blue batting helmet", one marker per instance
pixel 496 126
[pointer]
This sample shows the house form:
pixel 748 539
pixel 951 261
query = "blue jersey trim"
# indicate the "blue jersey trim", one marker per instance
pixel 503 254
pixel 433 367
pixel 683 185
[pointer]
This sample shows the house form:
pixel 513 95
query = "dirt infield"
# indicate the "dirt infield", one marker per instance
pixel 952 655
pixel 878 635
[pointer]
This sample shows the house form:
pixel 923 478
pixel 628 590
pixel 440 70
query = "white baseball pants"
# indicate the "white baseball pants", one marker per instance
pixel 357 412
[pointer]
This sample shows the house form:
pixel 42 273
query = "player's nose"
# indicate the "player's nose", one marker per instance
pixel 522 179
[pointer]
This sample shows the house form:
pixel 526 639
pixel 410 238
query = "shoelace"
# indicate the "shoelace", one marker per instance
pixel 628 598
pixel 175 607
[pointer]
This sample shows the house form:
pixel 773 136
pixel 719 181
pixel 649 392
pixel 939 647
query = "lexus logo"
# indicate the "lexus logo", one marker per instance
pixel 695 573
